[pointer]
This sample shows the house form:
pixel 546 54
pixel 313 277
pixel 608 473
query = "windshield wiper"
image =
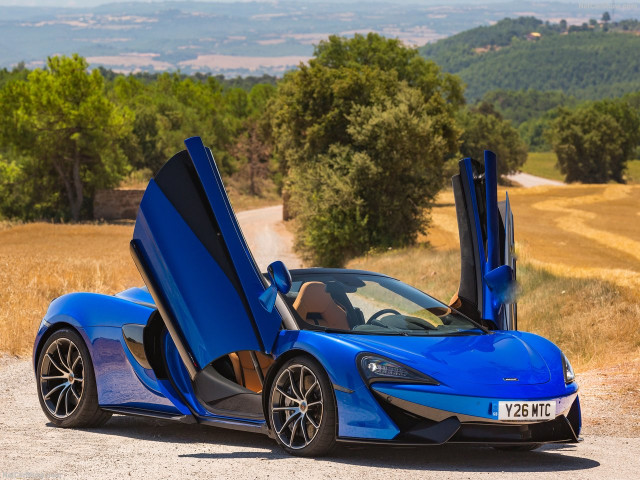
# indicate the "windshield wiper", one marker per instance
pixel 471 331
pixel 420 322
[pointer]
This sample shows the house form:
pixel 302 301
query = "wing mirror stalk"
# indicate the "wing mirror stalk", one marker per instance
pixel 280 279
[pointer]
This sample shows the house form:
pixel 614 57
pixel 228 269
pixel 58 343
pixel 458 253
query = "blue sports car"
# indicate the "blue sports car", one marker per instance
pixel 310 357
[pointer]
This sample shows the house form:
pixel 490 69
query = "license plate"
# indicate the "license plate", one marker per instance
pixel 527 410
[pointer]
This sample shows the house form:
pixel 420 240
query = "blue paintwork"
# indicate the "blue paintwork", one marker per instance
pixel 471 369
pixel 476 406
pixel 492 258
pixel 268 323
pixel 99 319
pixel 200 295
pixel 280 281
pixel 360 415
pixel 488 247
pixel 195 287
pixel 137 295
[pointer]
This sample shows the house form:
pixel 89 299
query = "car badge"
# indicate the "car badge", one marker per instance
pixel 511 379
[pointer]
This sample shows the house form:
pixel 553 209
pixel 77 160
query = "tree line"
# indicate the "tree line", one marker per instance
pixel 66 131
pixel 593 140
pixel 591 61
pixel 359 140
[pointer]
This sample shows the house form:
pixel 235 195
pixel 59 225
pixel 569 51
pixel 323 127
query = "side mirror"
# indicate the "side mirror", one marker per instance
pixel 280 279
pixel 501 282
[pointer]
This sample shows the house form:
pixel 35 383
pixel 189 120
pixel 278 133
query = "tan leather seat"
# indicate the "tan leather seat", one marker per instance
pixel 313 298
pixel 455 301
pixel 245 372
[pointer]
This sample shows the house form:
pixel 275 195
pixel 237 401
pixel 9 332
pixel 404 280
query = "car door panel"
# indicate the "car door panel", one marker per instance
pixel 251 280
pixel 486 243
pixel 193 282
pixel 191 252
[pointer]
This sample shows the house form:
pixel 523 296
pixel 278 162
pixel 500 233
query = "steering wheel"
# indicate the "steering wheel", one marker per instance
pixel 384 311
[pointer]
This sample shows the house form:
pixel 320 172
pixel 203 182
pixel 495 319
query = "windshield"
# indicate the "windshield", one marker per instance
pixel 353 302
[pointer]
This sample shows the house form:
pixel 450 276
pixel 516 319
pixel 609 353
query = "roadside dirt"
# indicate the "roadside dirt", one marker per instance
pixel 135 447
pixel 610 400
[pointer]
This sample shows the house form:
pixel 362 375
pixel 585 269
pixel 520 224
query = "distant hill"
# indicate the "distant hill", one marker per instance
pixel 588 62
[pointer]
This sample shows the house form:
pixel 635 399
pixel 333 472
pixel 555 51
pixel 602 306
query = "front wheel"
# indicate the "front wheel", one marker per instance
pixel 66 382
pixel 302 408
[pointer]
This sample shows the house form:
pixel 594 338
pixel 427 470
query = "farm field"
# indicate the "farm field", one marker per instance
pixel 542 164
pixel 41 261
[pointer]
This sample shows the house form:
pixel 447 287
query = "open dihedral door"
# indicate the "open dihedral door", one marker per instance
pixel 193 257
pixel 487 261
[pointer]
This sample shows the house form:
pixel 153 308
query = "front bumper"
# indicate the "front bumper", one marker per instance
pixel 428 418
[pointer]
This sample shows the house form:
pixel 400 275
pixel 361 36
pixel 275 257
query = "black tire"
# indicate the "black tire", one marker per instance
pixel 518 448
pixel 72 399
pixel 302 426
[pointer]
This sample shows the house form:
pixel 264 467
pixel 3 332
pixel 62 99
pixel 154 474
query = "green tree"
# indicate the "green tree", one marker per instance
pixel 484 129
pixel 534 133
pixel 361 134
pixel 10 177
pixel 170 107
pixel 594 142
pixel 61 120
pixel 520 106
pixel 253 147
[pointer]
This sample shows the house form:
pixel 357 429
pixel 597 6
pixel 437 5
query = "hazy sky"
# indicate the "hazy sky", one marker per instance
pixel 93 3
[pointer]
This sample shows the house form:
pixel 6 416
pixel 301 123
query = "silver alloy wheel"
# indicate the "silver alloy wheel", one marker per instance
pixel 62 378
pixel 296 406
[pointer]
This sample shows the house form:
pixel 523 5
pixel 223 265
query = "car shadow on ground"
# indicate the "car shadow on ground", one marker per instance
pixel 461 458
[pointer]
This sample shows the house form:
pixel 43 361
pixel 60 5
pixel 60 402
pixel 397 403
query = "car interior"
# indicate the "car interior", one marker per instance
pixel 313 303
pixel 316 302
pixel 355 303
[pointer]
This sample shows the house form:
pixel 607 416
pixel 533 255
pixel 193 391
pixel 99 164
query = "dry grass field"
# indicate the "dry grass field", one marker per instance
pixel 41 261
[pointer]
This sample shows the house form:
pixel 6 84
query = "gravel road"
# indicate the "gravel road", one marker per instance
pixel 30 447
pixel 267 236
pixel 528 181
pixel 135 447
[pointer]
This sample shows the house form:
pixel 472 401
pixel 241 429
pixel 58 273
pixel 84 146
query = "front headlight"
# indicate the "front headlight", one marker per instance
pixel 569 374
pixel 379 369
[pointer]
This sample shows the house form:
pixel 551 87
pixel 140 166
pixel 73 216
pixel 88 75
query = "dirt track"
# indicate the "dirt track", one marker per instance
pixel 527 180
pixel 267 236
pixel 30 447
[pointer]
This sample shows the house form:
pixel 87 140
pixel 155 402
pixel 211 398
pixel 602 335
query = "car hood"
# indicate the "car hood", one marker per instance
pixel 490 359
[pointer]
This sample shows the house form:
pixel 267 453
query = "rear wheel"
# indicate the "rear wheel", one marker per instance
pixel 302 408
pixel 66 382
